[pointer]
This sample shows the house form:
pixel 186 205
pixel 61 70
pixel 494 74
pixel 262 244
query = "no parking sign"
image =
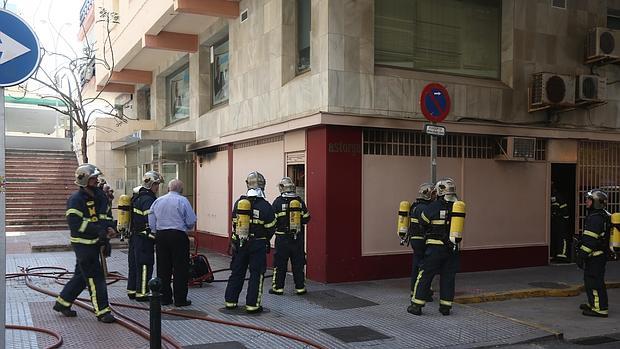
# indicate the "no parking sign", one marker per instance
pixel 435 102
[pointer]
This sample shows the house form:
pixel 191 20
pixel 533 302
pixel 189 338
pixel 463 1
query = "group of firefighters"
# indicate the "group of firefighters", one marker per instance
pixel 433 225
pixel 255 221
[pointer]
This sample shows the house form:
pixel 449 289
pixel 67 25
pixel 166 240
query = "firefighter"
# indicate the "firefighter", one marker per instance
pixel 559 227
pixel 291 215
pixel 591 253
pixel 142 241
pixel 416 232
pixel 253 223
pixel 442 252
pixel 90 228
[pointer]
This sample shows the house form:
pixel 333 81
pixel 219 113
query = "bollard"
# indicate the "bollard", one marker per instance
pixel 155 313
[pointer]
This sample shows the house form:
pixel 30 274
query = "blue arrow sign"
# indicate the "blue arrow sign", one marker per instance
pixel 19 50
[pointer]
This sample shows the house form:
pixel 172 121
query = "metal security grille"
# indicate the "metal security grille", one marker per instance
pixel 416 143
pixel 598 166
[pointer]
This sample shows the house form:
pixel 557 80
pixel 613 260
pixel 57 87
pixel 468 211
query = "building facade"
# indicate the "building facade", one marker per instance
pixel 328 92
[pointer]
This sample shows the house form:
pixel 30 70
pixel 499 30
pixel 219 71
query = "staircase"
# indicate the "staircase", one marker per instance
pixel 38 185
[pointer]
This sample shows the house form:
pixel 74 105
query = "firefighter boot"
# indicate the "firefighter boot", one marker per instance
pixel 584 306
pixel 444 310
pixel 415 309
pixel 106 318
pixel 66 311
pixel 590 312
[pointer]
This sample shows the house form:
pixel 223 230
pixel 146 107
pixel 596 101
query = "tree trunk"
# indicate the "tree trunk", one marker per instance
pixel 84 146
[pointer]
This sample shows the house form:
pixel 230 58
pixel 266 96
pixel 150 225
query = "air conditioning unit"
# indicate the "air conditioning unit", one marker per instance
pixel 591 88
pixel 517 148
pixel 549 89
pixel 601 43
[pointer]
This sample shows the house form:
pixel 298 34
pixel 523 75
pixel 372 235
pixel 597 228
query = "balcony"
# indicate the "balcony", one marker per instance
pixel 87 17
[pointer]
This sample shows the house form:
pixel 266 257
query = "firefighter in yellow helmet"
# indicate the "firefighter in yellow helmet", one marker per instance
pixel 141 254
pixel 442 248
pixel 591 253
pixel 292 216
pixel 253 226
pixel 90 228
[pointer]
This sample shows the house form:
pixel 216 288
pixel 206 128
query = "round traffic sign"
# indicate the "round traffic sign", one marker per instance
pixel 435 102
pixel 19 50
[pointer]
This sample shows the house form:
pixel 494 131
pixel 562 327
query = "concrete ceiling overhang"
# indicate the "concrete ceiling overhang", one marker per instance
pixel 174 30
pixel 147 137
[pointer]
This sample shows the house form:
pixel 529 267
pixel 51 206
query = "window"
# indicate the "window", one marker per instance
pixel 450 36
pixel 177 86
pixel 219 73
pixel 613 19
pixel 303 35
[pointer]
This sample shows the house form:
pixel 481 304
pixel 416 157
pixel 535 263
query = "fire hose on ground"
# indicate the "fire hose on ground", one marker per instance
pixel 58 273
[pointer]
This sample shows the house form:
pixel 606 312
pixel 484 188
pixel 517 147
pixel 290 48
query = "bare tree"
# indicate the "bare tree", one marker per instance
pixel 65 82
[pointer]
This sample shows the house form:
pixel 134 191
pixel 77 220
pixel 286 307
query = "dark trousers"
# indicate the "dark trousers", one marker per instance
pixel 173 259
pixel 287 248
pixel 252 254
pixel 418 246
pixel 144 253
pixel 88 273
pixel 131 262
pixel 559 240
pixel 438 259
pixel 594 282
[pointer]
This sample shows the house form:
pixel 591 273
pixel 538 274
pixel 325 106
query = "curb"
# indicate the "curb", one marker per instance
pixel 572 291
pixel 67 247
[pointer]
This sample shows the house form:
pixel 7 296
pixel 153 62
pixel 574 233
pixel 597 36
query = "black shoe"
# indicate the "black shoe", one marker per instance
pixel 142 299
pixel 444 310
pixel 272 291
pixel 186 303
pixel 64 310
pixel 106 318
pixel 585 306
pixel 131 295
pixel 590 312
pixel 254 311
pixel 414 309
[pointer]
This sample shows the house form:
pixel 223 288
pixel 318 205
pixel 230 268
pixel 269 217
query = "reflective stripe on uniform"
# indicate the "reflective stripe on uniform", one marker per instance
pixel 143 283
pixel 306 215
pixel 230 305
pixel 75 212
pixel 417 237
pixel 280 214
pixel 63 302
pixel 301 290
pixel 438 222
pixel 269 225
pixel 280 233
pixel 83 226
pixel 597 305
pixel 442 302
pixel 596 253
pixel 147 234
pixel 414 220
pixel 563 205
pixel 434 242
pixel 586 249
pixel 105 217
pixel 103 311
pixel 591 234
pixel 415 289
pixel 131 292
pixel 83 241
pixel 93 295
pixel 142 213
pixel 424 218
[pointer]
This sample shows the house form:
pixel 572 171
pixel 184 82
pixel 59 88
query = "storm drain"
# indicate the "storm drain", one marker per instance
pixel 170 317
pixel 336 300
pixel 551 285
pixel 595 340
pixel 351 334
pixel 220 345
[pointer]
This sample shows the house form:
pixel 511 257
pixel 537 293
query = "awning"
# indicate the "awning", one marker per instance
pixel 148 137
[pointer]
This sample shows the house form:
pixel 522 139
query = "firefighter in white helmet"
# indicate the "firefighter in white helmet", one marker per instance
pixel 292 216
pixel 591 253
pixel 253 223
pixel 141 255
pixel 443 221
pixel 90 228
pixel 417 233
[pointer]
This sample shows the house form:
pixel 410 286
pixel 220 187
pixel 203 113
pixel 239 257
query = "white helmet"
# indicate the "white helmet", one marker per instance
pixel 446 188
pixel 85 172
pixel 151 178
pixel 286 185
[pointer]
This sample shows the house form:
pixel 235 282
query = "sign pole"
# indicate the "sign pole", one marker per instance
pixel 433 159
pixel 2 218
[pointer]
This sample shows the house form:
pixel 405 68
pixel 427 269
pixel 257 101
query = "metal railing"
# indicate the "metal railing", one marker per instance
pixel 86 7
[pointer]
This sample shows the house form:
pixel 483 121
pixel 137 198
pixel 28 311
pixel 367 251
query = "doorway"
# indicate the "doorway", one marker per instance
pixel 564 180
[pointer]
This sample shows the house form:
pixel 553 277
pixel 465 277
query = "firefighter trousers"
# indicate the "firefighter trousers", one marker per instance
pixel 131 262
pixel 594 282
pixel 144 254
pixel 418 246
pixel 252 254
pixel 442 260
pixel 88 274
pixel 289 247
